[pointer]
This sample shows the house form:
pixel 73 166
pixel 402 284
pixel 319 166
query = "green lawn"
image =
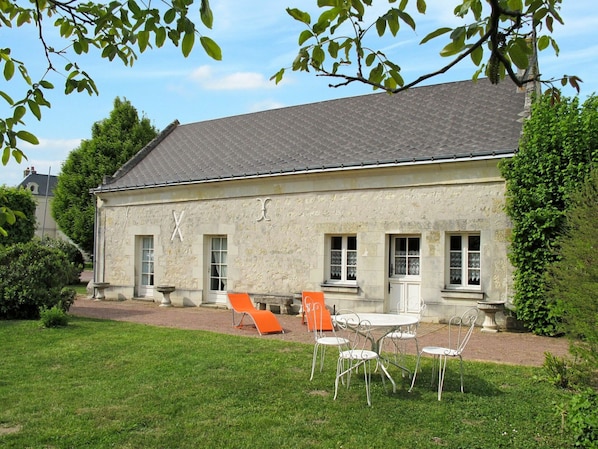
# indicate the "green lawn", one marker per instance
pixel 102 384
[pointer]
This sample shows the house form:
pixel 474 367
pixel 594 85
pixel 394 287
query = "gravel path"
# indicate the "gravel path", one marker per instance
pixel 502 347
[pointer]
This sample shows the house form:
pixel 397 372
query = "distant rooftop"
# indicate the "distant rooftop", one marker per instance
pixel 38 183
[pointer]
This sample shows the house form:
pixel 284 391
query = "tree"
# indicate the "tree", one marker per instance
pixel 16 199
pixel 557 151
pixel 116 30
pixel 572 283
pixel 500 39
pixel 113 142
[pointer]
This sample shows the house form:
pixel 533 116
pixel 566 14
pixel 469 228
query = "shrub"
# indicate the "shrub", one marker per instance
pixel 21 200
pixel 580 417
pixel 72 253
pixel 54 317
pixel 31 278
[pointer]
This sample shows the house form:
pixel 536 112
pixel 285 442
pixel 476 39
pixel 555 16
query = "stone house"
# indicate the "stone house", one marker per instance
pixel 42 187
pixel 377 200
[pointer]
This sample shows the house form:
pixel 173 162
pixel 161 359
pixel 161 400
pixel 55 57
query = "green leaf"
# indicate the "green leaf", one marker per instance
pixel 277 77
pixel 19 113
pixel 143 40
pixel 205 12
pixel 170 15
pixel 477 55
pixel 9 69
pixel 188 42
pixel 160 36
pixel 34 108
pixel 435 33
pixel 211 48
pixel 7 98
pixel 452 48
pixel 380 26
pixel 543 43
pixel 299 15
pixel 27 137
pixel 305 36
pixel 405 18
pixel 519 58
pixel 421 6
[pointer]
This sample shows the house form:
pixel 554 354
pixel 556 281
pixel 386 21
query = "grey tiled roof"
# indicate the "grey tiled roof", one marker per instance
pixel 43 185
pixel 444 121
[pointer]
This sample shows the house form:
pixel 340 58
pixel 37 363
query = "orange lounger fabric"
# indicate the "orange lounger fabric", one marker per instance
pixel 326 324
pixel 264 320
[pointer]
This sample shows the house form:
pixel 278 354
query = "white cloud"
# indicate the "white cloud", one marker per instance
pixel 265 105
pixel 209 79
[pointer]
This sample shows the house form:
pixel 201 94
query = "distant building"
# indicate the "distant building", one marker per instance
pixel 42 188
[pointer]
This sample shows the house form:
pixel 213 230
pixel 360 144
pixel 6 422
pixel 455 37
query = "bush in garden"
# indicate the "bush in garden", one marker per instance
pixel 580 418
pixel 21 202
pixel 54 317
pixel 32 277
pixel 72 253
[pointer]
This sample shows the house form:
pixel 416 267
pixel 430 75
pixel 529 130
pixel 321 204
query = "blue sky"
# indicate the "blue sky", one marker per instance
pixel 256 41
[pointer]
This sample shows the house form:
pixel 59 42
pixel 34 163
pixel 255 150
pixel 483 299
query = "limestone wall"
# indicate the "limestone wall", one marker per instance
pixel 280 248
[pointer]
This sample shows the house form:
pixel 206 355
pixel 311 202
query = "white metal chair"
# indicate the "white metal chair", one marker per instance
pixel 459 332
pixel 405 334
pixel 349 360
pixel 316 310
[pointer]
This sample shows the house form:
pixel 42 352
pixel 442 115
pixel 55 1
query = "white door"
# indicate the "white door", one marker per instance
pixel 405 274
pixel 218 268
pixel 145 284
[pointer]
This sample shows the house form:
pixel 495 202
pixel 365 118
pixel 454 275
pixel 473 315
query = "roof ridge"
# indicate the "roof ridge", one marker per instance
pixel 127 166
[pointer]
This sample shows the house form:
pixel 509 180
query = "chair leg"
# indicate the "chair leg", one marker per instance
pixel 313 361
pixel 461 363
pixel 415 372
pixel 441 373
pixel 367 375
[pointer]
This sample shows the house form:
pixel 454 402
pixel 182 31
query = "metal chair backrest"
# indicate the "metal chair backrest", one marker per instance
pixel 460 329
pixel 319 316
pixel 354 329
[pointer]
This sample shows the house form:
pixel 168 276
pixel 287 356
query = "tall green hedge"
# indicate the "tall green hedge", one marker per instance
pixel 573 280
pixel 559 144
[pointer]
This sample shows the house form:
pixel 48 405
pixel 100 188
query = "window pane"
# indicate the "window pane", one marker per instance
pixel 401 246
pixel 455 243
pixel 352 243
pixel 414 246
pixel 336 243
pixel 474 243
pixel 414 266
pixel 455 276
pixel 401 265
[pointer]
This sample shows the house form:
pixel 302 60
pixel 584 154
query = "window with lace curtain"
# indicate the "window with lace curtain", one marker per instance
pixel 343 259
pixel 464 261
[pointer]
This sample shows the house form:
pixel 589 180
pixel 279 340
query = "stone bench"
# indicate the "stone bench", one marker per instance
pixel 265 302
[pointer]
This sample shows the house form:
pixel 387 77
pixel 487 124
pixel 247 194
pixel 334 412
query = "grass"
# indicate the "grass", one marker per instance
pixel 104 384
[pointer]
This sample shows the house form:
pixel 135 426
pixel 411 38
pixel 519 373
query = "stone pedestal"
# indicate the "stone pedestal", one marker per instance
pixel 490 308
pixel 166 290
pixel 99 288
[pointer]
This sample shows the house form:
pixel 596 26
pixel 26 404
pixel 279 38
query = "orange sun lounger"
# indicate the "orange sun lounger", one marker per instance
pixel 326 321
pixel 264 320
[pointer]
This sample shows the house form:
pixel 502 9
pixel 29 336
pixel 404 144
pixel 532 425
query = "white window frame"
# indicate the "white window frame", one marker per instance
pixel 412 260
pixel 470 262
pixel 348 259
